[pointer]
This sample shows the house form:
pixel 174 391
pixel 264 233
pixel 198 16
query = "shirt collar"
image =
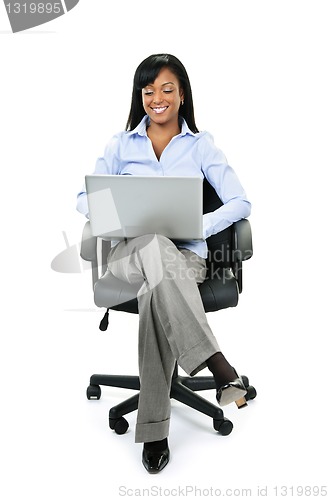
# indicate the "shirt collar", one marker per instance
pixel 142 126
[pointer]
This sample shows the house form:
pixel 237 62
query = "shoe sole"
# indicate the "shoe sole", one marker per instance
pixel 232 394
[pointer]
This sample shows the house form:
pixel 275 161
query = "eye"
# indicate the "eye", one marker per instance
pixel 168 91
pixel 148 92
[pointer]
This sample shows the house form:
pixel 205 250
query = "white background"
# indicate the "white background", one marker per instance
pixel 260 81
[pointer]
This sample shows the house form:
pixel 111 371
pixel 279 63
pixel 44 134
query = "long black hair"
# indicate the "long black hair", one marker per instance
pixel 146 73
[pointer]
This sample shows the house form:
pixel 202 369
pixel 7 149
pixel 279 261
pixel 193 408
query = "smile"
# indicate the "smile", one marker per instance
pixel 158 111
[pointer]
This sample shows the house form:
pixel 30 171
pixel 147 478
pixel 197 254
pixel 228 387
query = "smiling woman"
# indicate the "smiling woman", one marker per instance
pixel 161 139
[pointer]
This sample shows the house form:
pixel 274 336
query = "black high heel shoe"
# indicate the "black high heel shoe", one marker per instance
pixel 155 461
pixel 232 391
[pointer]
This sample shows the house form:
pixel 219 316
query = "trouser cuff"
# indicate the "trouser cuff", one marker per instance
pixel 146 433
pixel 190 360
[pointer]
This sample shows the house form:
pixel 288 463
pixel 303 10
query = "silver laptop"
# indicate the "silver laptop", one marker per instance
pixel 126 206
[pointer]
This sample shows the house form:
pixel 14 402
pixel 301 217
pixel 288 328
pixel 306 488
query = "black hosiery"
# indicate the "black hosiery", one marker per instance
pixel 221 369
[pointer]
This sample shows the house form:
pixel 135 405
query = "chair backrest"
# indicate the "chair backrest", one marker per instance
pixel 220 244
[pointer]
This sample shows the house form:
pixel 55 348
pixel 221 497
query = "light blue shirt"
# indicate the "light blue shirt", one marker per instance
pixel 189 154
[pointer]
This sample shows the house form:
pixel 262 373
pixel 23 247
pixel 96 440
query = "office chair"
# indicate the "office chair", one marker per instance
pixel 221 289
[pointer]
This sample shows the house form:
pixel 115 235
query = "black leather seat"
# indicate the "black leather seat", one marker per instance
pixel 227 251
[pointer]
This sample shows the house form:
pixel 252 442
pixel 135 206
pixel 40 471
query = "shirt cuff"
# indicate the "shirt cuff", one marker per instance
pixel 207 226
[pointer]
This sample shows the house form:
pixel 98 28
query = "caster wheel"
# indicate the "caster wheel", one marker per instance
pixel 245 380
pixel 119 425
pixel 224 427
pixel 94 392
pixel 251 394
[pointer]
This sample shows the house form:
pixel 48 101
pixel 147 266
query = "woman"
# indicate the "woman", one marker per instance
pixel 161 138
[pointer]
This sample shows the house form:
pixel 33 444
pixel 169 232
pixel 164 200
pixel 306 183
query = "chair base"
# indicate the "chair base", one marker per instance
pixel 183 389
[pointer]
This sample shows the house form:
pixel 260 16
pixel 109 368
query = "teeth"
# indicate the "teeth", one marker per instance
pixel 159 110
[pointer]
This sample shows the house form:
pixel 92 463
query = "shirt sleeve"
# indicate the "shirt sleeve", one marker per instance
pixel 228 187
pixel 107 164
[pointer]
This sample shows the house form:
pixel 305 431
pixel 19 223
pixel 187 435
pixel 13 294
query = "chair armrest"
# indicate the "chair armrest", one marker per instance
pixel 242 241
pixel 241 248
pixel 88 250
pixel 91 251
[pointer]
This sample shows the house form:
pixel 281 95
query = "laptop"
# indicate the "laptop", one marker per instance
pixel 127 206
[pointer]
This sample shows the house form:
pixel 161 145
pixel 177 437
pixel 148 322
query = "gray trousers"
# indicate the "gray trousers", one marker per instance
pixel 172 322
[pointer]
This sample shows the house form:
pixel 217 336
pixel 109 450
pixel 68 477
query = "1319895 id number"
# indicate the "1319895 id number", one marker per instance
pixel 34 8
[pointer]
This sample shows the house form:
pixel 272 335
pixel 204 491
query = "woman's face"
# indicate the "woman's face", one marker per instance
pixel 162 98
